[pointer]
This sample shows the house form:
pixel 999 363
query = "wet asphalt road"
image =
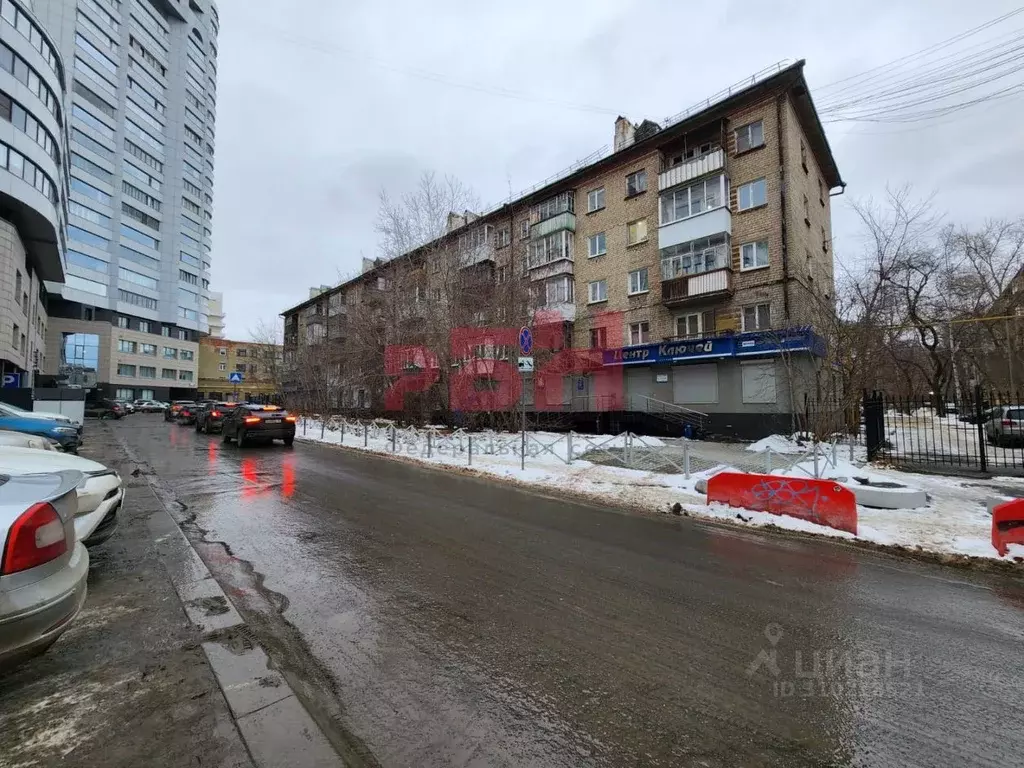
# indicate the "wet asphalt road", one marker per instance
pixel 457 621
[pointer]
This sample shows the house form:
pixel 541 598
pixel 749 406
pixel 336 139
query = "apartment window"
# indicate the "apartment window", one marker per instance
pixel 91 168
pixel 137 278
pixel 188 258
pixel 87 262
pixel 636 183
pixel 95 99
pixel 192 189
pixel 136 151
pixel 191 207
pixel 15 336
pixel 598 338
pixel 147 372
pixel 222 366
pixel 245 353
pixel 122 322
pixel 636 232
pixel 87 213
pixel 165 331
pixel 750 136
pixel 91 144
pixel 596 245
pixel 124 394
pixel 139 237
pixel 148 57
pixel 558 291
pixel 240 367
pixel 638 281
pixel 502 237
pixel 222 351
pixel 128 297
pixel 127 347
pixel 553 206
pixel 188 314
pixel 557 245
pixel 168 373
pixel 139 258
pixel 691 153
pixel 126 370
pixel 694 325
pixel 141 217
pixel 81 284
pixel 90 191
pixel 185 375
pixel 754 255
pixel 188 277
pixel 597 291
pixel 757 317
pixel 142 197
pixel 91 121
pixel 693 200
pixel 639 333
pixel 144 326
pixel 170 353
pixel 186 354
pixel 17 281
pixel 595 200
pixel 95 54
pixel 148 349
pixel 752 195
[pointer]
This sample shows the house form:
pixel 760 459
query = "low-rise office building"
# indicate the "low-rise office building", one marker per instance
pixel 257 364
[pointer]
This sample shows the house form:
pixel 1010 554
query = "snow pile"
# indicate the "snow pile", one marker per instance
pixel 956 521
pixel 779 444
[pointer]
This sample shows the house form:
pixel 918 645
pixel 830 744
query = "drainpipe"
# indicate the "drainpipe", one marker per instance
pixel 782 200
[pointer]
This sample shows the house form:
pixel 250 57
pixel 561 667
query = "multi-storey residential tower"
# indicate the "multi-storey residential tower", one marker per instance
pixel 696 253
pixel 33 186
pixel 140 105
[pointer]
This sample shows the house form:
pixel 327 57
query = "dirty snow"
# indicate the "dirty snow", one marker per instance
pixel 778 444
pixel 956 521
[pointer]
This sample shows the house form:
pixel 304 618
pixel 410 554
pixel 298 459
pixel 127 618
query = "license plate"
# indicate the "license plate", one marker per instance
pixel 272 421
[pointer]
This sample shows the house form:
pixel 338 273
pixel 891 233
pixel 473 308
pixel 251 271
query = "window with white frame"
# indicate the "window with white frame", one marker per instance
pixel 558 291
pixel 596 245
pixel 636 231
pixel 690 326
pixel 502 237
pixel 524 229
pixel 701 255
pixel 597 291
pixel 693 200
pixel 639 333
pixel 691 153
pixel 754 255
pixel 639 281
pixel 750 136
pixel 122 322
pixel 595 200
pixel 222 366
pixel 752 195
pixel 757 317
pixel 636 183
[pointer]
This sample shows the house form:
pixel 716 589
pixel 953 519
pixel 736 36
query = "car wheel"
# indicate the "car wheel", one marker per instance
pixel 289 442
pixel 225 437
pixel 240 439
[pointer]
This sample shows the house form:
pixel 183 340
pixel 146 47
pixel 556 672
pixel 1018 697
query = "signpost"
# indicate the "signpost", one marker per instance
pixel 525 366
pixel 235 378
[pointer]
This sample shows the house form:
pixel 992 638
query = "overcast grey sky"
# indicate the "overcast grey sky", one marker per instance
pixel 321 106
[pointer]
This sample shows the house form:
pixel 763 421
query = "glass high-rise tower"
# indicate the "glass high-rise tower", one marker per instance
pixel 140 109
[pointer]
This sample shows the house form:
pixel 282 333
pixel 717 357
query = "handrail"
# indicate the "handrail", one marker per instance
pixel 670 406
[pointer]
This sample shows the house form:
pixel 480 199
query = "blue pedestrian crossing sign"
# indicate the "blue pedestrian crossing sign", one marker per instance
pixel 235 377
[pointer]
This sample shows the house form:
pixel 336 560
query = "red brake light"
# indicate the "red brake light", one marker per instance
pixel 215 413
pixel 252 419
pixel 35 538
pixel 290 418
pixel 1007 423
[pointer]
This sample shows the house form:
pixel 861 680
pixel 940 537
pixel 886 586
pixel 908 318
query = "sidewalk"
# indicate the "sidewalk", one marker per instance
pixel 158 669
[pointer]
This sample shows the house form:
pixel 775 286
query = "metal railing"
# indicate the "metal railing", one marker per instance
pixel 669 411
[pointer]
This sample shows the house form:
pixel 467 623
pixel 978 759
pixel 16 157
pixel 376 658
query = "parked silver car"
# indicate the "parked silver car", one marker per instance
pixel 43 569
pixel 1005 425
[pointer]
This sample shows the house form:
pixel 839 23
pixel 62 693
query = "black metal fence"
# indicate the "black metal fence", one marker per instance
pixel 982 431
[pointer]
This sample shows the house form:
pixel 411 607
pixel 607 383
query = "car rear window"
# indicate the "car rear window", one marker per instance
pixel 1016 414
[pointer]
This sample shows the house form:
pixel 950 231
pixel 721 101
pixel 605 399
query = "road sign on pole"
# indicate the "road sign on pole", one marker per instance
pixel 235 377
pixel 525 340
pixel 526 365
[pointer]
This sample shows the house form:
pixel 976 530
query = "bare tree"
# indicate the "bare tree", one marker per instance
pixel 268 339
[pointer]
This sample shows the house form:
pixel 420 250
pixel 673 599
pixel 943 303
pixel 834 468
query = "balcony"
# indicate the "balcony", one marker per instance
pixel 479 254
pixel 563 311
pixel 691 169
pixel 704 286
pixel 565 220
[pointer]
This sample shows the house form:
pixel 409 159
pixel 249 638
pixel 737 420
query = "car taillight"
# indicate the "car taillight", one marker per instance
pixel 35 538
pixel 290 418
pixel 215 413
pixel 252 419
pixel 1007 423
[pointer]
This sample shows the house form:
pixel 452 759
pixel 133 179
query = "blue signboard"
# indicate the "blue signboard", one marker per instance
pixel 12 380
pixel 740 345
pixel 525 340
pixel 235 377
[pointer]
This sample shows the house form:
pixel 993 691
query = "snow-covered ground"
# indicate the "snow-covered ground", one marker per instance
pixel 956 520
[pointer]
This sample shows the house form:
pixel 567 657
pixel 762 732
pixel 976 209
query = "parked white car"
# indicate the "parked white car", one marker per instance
pixel 22 440
pixel 100 495
pixel 44 569
pixel 14 410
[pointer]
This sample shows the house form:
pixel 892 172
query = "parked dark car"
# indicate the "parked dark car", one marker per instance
pixel 211 418
pixel 250 423
pixel 172 413
pixel 187 413
pixel 104 409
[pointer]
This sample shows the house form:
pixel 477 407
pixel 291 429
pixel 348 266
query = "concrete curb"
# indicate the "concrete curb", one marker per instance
pixel 272 722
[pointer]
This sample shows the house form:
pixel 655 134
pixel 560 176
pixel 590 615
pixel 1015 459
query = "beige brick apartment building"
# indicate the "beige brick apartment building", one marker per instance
pixel 698 252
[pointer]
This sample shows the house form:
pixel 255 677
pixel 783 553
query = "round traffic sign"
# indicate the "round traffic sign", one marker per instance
pixel 525 340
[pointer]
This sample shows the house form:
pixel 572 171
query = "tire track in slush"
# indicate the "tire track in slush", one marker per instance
pixel 263 610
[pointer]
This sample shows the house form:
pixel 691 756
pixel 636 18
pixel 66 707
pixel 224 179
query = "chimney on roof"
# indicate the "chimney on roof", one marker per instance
pixel 469 217
pixel 624 133
pixel 455 221
pixel 368 264
pixel 646 129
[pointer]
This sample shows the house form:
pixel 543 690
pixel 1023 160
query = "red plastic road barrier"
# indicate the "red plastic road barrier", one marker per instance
pixel 818 501
pixel 1007 525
